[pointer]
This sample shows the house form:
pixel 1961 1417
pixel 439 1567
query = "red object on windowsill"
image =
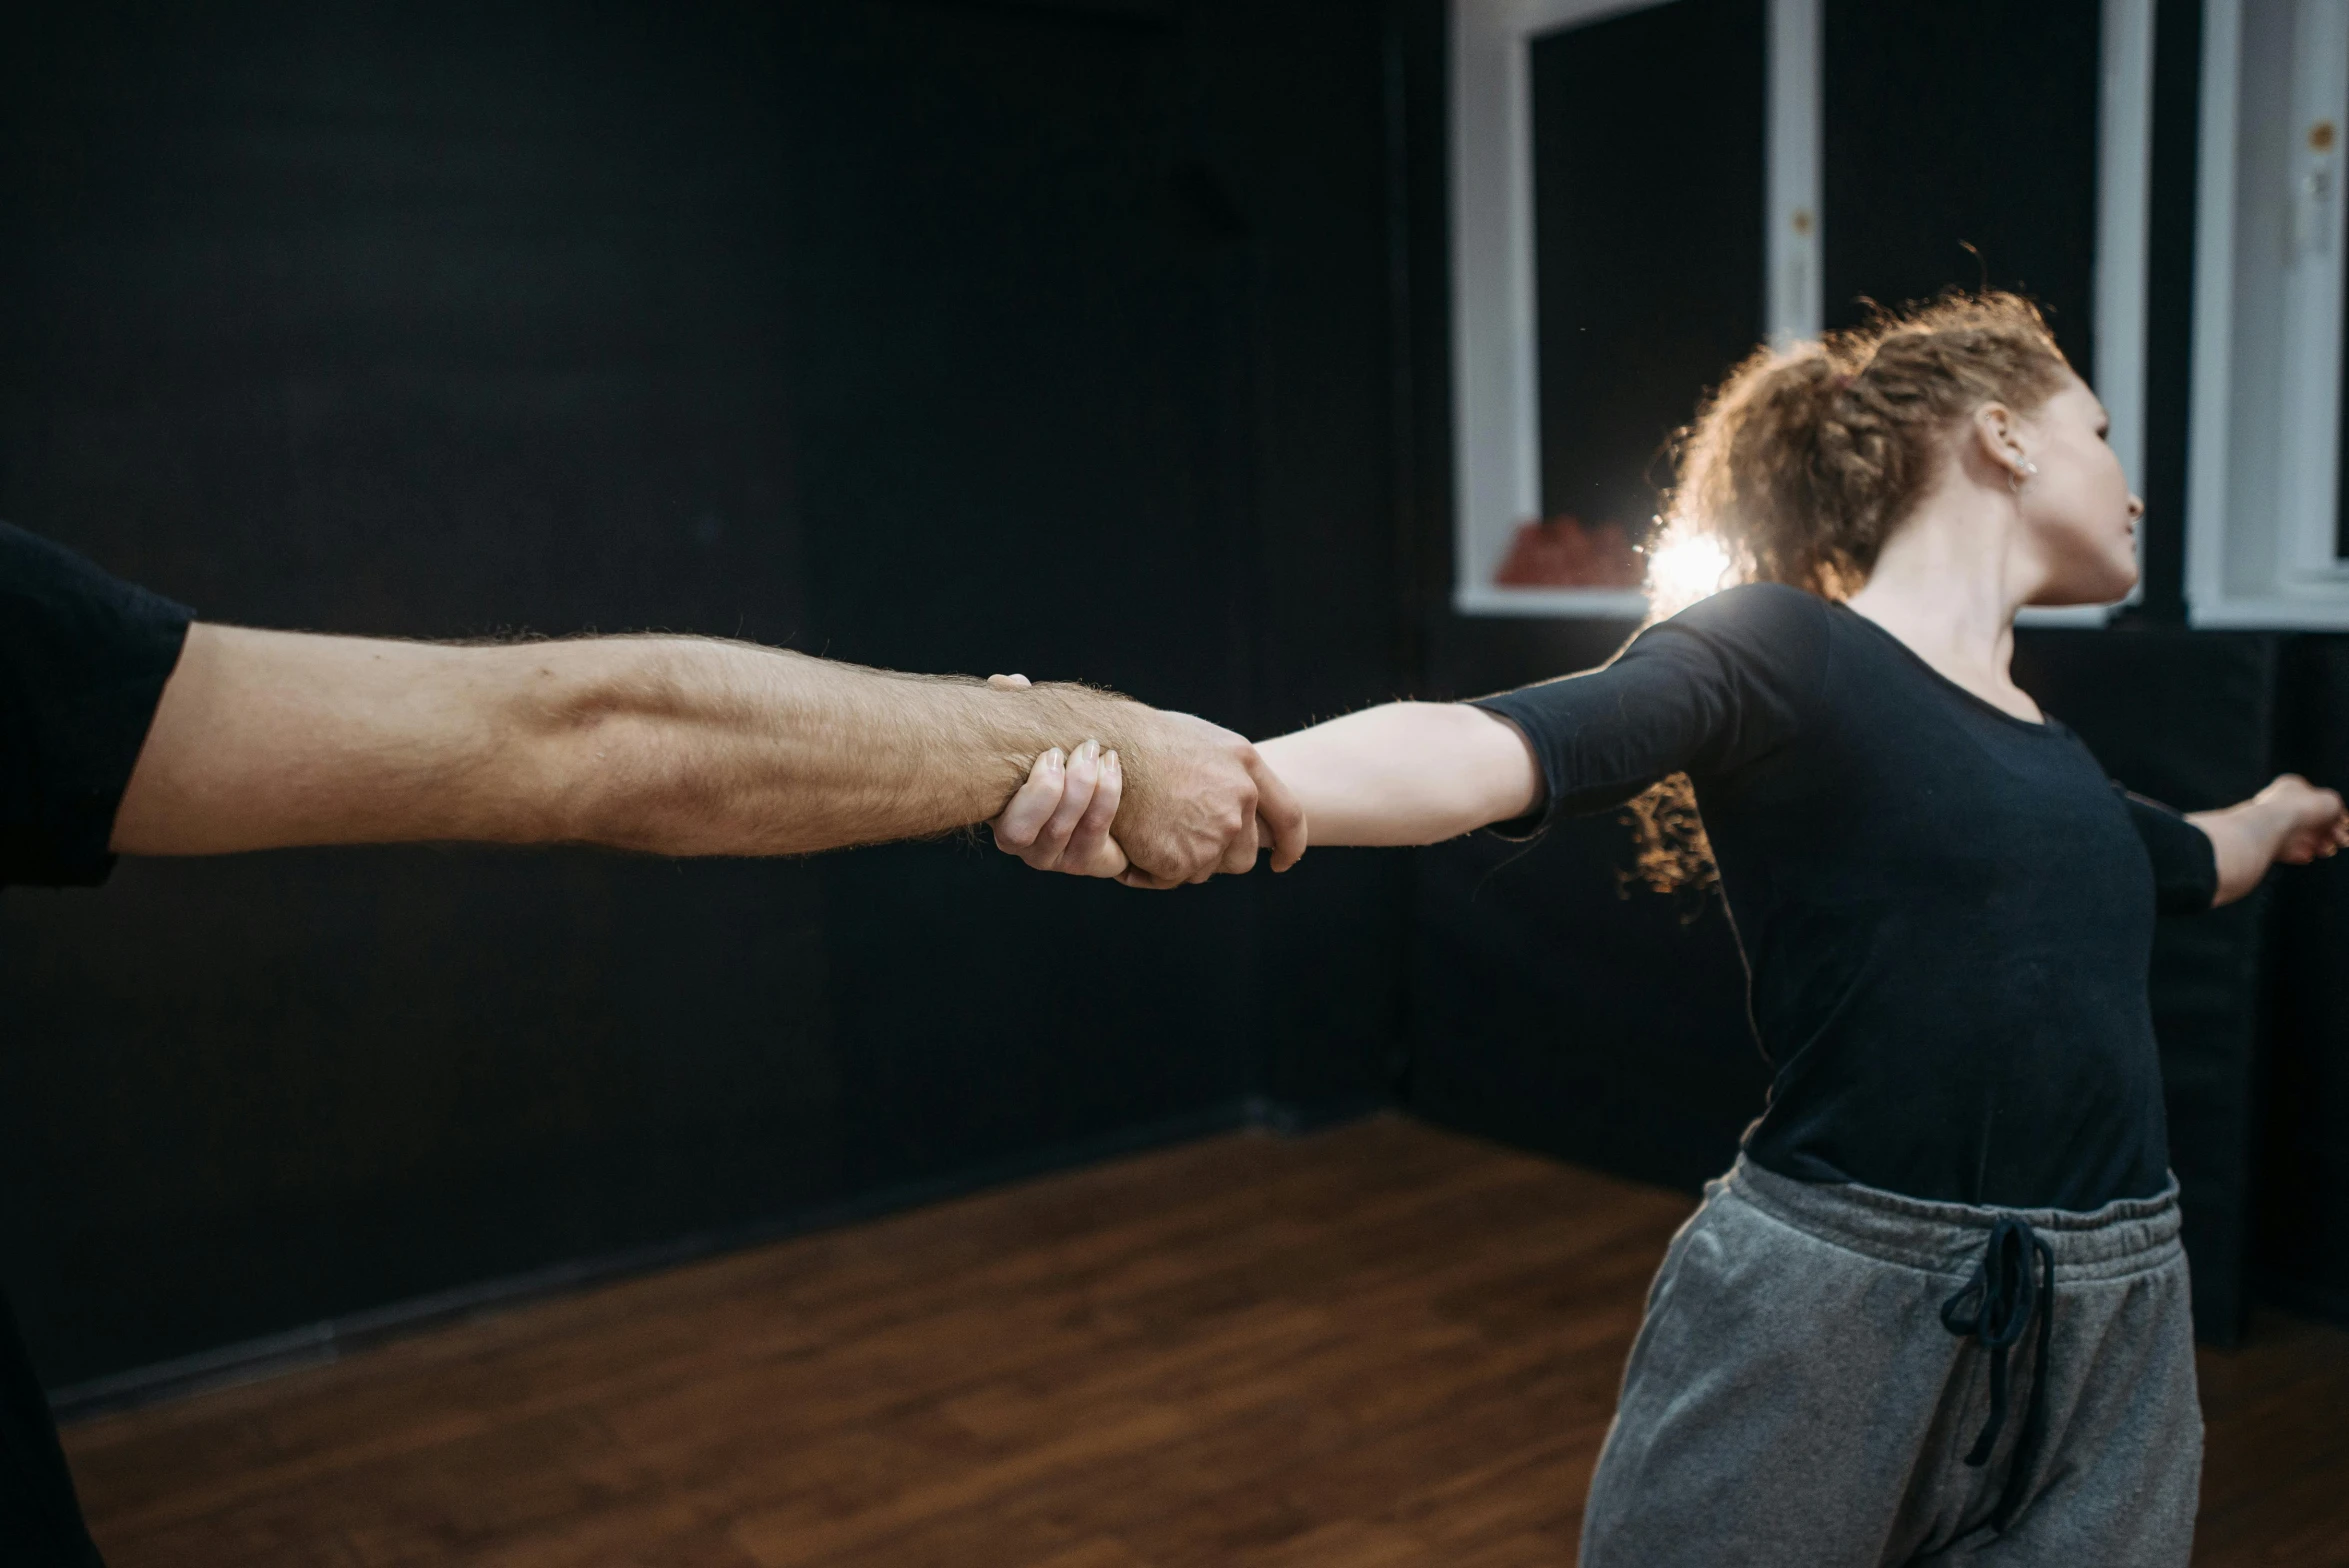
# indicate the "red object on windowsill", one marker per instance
pixel 1564 552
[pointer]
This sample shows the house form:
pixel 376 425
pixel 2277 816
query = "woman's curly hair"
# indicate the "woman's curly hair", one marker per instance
pixel 1804 461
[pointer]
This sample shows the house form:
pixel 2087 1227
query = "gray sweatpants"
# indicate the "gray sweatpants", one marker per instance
pixel 1795 1397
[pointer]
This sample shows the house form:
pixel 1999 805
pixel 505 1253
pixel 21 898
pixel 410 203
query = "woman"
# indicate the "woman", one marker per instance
pixel 1937 1309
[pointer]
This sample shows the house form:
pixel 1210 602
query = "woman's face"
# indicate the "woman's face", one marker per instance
pixel 2077 509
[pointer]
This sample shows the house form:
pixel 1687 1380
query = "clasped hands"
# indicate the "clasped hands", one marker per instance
pixel 1211 805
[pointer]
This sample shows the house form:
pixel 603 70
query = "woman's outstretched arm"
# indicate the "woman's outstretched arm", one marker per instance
pixel 1710 688
pixel 1407 773
pixel 1403 773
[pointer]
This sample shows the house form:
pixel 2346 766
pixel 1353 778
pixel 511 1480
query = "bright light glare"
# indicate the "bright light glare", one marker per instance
pixel 1683 568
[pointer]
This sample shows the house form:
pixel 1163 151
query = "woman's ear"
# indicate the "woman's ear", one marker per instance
pixel 1997 437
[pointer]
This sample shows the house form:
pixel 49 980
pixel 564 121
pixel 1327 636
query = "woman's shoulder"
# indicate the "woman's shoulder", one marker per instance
pixel 1761 649
pixel 1757 602
pixel 1761 638
pixel 1758 619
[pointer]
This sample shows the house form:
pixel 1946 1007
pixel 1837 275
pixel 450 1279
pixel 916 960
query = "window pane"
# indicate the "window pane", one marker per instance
pixel 1648 146
pixel 1957 122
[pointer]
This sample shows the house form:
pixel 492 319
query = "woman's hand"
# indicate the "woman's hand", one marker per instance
pixel 2291 820
pixel 1059 820
pixel 2309 823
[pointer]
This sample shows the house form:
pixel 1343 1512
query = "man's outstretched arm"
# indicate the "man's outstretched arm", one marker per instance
pixel 678 746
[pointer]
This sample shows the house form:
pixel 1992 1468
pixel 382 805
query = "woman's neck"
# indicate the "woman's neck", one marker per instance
pixel 1948 582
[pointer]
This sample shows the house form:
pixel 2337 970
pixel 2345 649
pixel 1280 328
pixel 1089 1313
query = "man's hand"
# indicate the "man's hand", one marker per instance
pixel 1210 800
pixel 1194 793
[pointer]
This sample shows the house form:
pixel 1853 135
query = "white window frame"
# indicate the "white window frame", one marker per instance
pixel 2263 453
pixel 1496 332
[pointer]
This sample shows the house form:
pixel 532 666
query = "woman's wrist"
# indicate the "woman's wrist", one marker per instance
pixel 2265 823
pixel 2241 845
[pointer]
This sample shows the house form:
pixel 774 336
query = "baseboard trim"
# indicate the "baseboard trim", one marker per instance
pixel 320 1343
pixel 2328 1303
pixel 1292 1118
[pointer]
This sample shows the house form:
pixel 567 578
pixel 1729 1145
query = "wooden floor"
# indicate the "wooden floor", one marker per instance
pixel 1380 1347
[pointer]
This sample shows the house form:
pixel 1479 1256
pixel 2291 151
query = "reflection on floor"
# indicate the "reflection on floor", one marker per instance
pixel 1379 1347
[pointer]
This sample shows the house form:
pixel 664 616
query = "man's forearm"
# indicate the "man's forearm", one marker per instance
pixel 683 746
pixel 671 745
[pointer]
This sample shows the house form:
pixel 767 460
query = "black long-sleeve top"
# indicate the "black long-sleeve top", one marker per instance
pixel 1946 912
pixel 83 660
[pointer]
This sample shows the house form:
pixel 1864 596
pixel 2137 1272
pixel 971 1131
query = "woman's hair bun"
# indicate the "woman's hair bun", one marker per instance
pixel 1805 458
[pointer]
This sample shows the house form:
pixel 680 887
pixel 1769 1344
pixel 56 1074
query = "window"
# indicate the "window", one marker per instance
pixel 1638 197
pixel 2265 520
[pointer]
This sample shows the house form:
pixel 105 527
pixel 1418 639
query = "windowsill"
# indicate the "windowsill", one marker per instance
pixel 1595 604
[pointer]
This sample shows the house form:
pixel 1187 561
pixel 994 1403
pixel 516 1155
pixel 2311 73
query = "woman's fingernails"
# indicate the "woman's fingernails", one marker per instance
pixel 1054 761
pixel 1088 751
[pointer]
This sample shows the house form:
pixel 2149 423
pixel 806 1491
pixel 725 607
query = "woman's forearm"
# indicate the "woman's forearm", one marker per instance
pixel 2244 844
pixel 1406 773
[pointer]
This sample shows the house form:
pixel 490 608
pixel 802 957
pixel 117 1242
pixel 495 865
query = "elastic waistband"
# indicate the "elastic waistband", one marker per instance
pixel 2127 1236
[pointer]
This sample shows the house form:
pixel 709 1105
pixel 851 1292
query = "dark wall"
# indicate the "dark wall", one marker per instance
pixel 2302 1240
pixel 947 336
pixel 1295 127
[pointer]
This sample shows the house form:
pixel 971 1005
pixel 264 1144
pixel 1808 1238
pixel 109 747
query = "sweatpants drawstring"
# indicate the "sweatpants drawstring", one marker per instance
pixel 1995 1306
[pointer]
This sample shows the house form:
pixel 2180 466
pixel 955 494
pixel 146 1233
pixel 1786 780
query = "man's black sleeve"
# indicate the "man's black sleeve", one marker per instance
pixel 83 659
